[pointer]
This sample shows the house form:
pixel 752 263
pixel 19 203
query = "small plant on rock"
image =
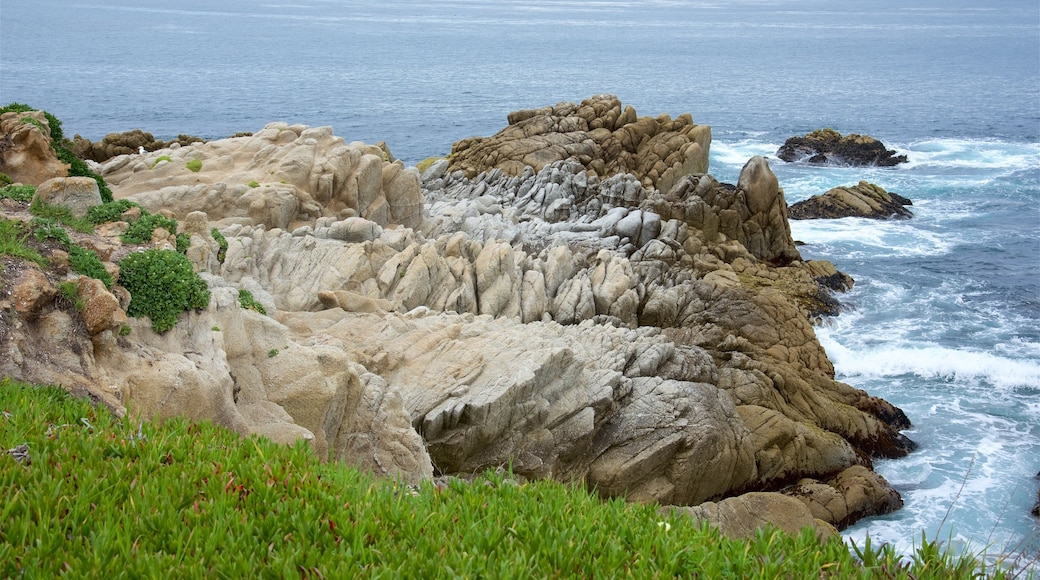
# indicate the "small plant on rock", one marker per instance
pixel 195 165
pixel 109 212
pixel 160 160
pixel 246 300
pixel 140 231
pixel 162 284
pixel 221 242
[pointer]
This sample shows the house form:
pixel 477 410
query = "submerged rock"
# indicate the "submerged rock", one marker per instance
pixel 828 147
pixel 865 200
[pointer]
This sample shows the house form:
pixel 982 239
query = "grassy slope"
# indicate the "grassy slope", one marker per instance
pixel 101 496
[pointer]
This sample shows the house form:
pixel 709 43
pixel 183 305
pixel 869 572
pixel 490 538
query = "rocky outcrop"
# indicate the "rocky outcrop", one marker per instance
pixel 126 143
pixel 1036 508
pixel 743 515
pixel 26 155
pixel 599 134
pixel 283 176
pixel 654 345
pixel 864 200
pixel 828 147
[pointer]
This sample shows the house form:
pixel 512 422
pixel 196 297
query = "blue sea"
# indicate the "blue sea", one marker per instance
pixel 944 320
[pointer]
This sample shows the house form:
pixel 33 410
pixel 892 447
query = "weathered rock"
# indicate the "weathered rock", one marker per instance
pixel 754 213
pixel 742 516
pixel 596 133
pixel 853 494
pixel 79 194
pixel 864 200
pixel 281 177
pixel 101 309
pixel 31 291
pixel 26 155
pixel 827 146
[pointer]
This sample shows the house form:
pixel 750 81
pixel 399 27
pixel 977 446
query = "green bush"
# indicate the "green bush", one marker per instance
pixel 5 179
pixel 254 184
pixel 194 165
pixel 160 159
pixel 18 192
pixel 141 230
pixel 86 262
pixel 110 212
pixel 68 292
pixel 48 229
pixel 162 284
pixel 246 300
pixel 221 242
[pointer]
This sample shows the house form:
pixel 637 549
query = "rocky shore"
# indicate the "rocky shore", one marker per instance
pixel 574 297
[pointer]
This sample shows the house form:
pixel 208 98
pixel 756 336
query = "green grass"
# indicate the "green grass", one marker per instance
pixel 12 242
pixel 60 214
pixel 85 494
pixel 18 192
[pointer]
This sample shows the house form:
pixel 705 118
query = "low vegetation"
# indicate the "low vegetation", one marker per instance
pixel 194 165
pixel 86 494
pixel 162 284
pixel 246 300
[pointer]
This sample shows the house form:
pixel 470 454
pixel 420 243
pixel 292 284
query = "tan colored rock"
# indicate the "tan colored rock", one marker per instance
pixel 79 194
pixel 743 516
pixel 29 157
pixel 101 310
pixel 281 177
pixel 31 291
pixel 853 494
pixel 595 133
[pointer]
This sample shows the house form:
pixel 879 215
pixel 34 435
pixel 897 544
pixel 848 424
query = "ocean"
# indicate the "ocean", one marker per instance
pixel 944 320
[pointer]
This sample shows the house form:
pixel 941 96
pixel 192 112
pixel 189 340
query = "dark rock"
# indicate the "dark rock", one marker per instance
pixel 115 144
pixel 828 147
pixel 862 200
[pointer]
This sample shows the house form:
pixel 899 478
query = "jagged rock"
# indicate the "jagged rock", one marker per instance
pixel 742 516
pixel 865 200
pixel 596 133
pixel 827 146
pixel 126 143
pixel 754 213
pixel 1036 508
pixel 854 493
pixel 26 155
pixel 281 177
pixel 79 194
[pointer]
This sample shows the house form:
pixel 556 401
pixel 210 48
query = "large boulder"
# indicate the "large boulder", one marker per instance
pixel 26 155
pixel 864 200
pixel 597 133
pixel 741 517
pixel 79 194
pixel 828 147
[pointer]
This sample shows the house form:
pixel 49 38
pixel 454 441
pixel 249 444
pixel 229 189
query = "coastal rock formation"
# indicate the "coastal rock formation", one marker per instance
pixel 743 515
pixel 828 147
pixel 597 133
pixel 864 200
pixel 656 345
pixel 283 176
pixel 26 155
pixel 126 143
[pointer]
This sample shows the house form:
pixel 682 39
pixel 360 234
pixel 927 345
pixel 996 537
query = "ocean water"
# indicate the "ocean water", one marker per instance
pixel 944 320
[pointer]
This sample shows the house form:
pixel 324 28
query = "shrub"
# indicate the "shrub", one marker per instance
pixel 221 242
pixel 86 262
pixel 18 192
pixel 162 284
pixel 246 300
pixel 195 165
pixel 48 229
pixel 254 184
pixel 183 242
pixel 110 212
pixel 5 179
pixel 161 158
pixel 140 231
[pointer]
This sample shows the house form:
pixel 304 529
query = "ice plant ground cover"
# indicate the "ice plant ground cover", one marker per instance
pixel 84 493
